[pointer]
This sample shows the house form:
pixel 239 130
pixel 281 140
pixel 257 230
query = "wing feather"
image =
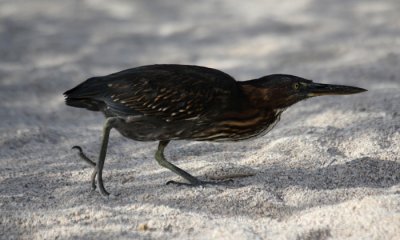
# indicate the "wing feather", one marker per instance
pixel 170 92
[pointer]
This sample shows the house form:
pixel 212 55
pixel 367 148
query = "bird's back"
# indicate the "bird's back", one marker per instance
pixel 167 91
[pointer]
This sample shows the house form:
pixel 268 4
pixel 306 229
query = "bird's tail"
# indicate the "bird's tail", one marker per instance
pixel 86 95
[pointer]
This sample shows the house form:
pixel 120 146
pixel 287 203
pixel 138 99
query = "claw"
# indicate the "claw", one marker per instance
pixel 83 156
pixel 78 148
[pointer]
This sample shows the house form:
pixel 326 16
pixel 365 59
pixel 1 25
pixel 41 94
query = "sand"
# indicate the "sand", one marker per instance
pixel 329 170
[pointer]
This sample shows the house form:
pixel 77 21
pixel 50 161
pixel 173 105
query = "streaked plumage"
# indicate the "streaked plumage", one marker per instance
pixel 170 92
pixel 172 102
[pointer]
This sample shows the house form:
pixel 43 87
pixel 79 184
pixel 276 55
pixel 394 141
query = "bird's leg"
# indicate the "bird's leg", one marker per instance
pixel 193 181
pixel 163 162
pixel 98 167
pixel 90 162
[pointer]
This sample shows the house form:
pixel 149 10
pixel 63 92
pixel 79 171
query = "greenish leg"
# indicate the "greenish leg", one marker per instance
pixel 98 167
pixel 193 181
pixel 90 162
pixel 108 125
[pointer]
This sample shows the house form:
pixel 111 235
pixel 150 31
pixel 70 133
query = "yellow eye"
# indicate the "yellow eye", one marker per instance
pixel 296 86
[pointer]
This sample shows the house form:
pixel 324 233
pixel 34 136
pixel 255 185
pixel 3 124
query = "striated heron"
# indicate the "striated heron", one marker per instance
pixel 182 102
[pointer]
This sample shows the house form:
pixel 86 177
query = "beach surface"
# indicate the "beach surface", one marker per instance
pixel 330 169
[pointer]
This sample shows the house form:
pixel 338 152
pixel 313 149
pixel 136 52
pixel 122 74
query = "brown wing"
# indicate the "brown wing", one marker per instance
pixel 170 92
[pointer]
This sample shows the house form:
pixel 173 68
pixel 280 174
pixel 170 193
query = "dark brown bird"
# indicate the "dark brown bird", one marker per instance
pixel 182 102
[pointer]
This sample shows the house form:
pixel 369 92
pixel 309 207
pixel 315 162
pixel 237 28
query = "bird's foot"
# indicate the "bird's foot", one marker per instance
pixel 83 156
pixel 200 183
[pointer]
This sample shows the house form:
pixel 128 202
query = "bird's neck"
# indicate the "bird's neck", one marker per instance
pixel 256 105
pixel 255 97
pixel 267 98
pixel 252 117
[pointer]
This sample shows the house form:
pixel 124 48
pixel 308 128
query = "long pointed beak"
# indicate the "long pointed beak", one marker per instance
pixel 319 89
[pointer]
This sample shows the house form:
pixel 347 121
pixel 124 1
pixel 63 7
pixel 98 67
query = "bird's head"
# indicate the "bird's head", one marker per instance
pixel 282 90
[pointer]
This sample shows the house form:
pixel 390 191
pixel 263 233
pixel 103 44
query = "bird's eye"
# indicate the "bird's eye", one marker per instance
pixel 296 86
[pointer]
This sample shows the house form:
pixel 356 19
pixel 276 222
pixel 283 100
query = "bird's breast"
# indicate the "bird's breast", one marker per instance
pixel 236 127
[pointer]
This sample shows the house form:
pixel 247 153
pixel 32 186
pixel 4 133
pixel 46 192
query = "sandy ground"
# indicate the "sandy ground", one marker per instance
pixel 330 168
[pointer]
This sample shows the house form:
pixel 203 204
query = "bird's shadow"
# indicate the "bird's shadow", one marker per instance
pixel 271 183
pixel 360 172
